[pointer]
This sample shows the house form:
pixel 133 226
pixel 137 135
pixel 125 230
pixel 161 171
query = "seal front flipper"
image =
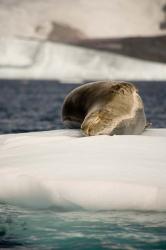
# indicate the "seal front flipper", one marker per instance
pixel 148 125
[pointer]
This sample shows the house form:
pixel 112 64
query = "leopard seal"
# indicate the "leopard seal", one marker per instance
pixel 105 108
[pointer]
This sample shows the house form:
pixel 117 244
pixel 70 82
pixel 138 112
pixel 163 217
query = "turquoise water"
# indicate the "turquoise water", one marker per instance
pixel 50 229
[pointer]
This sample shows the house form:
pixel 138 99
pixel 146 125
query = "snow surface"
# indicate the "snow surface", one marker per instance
pixel 65 170
pixel 28 59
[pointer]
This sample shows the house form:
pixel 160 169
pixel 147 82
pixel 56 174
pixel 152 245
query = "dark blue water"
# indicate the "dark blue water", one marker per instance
pixel 36 105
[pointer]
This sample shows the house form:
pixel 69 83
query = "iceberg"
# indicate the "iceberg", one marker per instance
pixel 35 59
pixel 62 169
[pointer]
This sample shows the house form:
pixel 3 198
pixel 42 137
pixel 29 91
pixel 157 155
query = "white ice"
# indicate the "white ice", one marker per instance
pixel 63 169
pixel 28 59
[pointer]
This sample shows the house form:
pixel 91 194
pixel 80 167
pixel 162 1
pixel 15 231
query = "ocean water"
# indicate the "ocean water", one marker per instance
pixel 50 229
pixel 34 106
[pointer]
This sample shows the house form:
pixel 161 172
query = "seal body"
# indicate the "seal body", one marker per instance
pixel 105 108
